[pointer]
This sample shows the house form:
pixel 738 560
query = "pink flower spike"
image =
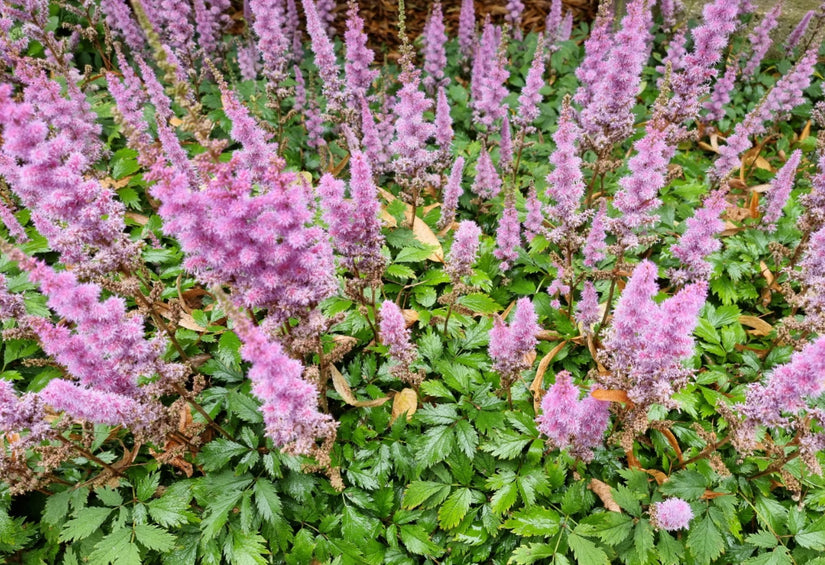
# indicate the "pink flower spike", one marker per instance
pixel 671 515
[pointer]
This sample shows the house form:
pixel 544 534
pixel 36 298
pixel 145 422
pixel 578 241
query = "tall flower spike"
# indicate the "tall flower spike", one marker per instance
pixel 119 18
pixel 331 84
pixel 396 336
pixel 210 20
pixel 359 57
pixel 273 45
pixel 796 35
pixel 595 246
pixel 505 147
pixel 552 22
pixel 371 139
pixel 720 96
pixel 634 307
pixel 587 309
pixel 435 55
pixel 760 40
pixel 487 183
pixel 467 28
pixel 513 15
pixel 699 239
pixel 596 49
pixel 528 102
pixel 290 403
pixel 463 252
pixel 566 28
pixel 452 192
pixel 443 122
pixel 565 185
pixel 509 345
pixel 508 235
pixel 780 190
pixel 489 76
pixel 534 221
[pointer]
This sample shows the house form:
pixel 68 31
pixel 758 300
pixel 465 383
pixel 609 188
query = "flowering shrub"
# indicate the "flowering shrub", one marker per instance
pixel 516 296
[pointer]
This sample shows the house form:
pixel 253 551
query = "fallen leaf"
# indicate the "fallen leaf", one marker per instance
pixel 530 358
pixel 605 494
pixel 548 335
pixel 184 320
pixel 410 317
pixel 760 326
pixel 536 387
pixel 806 131
pixel 405 401
pixel 342 387
pixel 420 229
pixel 660 477
pixel 611 395
pixel 709 494
pixel 139 219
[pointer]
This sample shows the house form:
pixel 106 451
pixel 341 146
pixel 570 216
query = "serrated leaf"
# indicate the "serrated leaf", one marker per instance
pixel 454 508
pixel 506 445
pixel 439 414
pixel 778 556
pixel 413 254
pixel 762 538
pixel 218 512
pixel 586 552
pixel 419 492
pixel 688 485
pixel 248 548
pixel 611 528
pixel 812 536
pixel 154 538
pixel 116 548
pixel 478 302
pixel 627 499
pixel 705 541
pixel 534 521
pixel 504 498
pixel 244 407
pixel 87 522
pixel 170 510
pixel 267 500
pixel 356 526
pixel 147 486
pixel 466 437
pixel 435 445
pixel 218 452
pixel 417 541
pixel 57 507
pixel 529 554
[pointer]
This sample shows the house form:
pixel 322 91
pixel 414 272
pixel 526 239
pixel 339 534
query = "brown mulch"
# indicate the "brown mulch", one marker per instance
pixel 381 16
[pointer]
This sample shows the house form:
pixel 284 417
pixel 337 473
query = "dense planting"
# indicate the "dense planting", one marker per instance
pixel 513 296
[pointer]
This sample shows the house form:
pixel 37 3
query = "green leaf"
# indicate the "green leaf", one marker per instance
pixel 529 554
pixel 705 541
pixel 88 521
pixel 778 556
pixel 109 497
pixel 117 548
pixel 419 492
pixel 245 407
pixel 813 536
pixel 414 254
pixel 506 445
pixel 586 552
pixel 466 438
pixel 57 507
pixel 218 512
pixel 147 486
pixel 438 414
pixel 417 541
pixel 267 500
pixel 478 302
pixel 454 508
pixel 356 526
pixel 218 452
pixel 504 498
pixel 534 521
pixel 248 548
pixel 435 445
pixel 610 527
pixel 687 484
pixel 170 510
pixel 628 500
pixel 762 538
pixel 154 538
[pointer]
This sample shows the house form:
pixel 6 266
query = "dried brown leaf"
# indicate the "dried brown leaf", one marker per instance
pixel 405 401
pixel 342 387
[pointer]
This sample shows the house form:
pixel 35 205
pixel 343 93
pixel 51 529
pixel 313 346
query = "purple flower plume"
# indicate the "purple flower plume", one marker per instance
pixel 452 192
pixel 508 235
pixel 396 336
pixel 780 190
pixel 796 35
pixel 120 19
pixel 760 40
pixel 359 57
pixel 565 185
pixel 570 423
pixel 699 239
pixel 490 74
pixel 534 221
pixel 467 28
pixel 443 122
pixel 596 49
pixel 671 514
pixel 720 96
pixel 328 68
pixel 552 22
pixel 435 55
pixel 487 183
pixel 587 309
pixel 595 246
pixel 513 15
pixel 509 344
pixel 528 102
pixel 463 252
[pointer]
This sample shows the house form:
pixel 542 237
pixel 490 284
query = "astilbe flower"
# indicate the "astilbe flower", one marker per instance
pixel 466 28
pixel 443 122
pixel 570 423
pixel 787 391
pixel 326 13
pixel 505 147
pixel 435 55
pixel 513 15
pixel 675 55
pixel 720 96
pixel 780 190
pixel 19 413
pixel 690 80
pixel 510 344
pixel 594 245
pixel 490 74
pixel 587 309
pixel 534 221
pixel 396 336
pixel 173 20
pixel 528 101
pixel 596 49
pixel 273 45
pixel 812 277
pixel 331 83
pixel 487 183
pixel 452 192
pixel 119 18
pixel 49 146
pixel 130 100
pixel 552 22
pixel 670 10
pixel 558 286
pixel 353 223
pixel 314 124
pixel 257 153
pixel 300 90
pixel 699 239
pixel 508 234
pixel 359 57
pixel 293 23
pixel 608 118
pixel 565 184
pixel 412 131
pixel 671 514
pixel 463 252
pixel 566 28
pixel 290 403
pixel 796 35
pixel 647 342
pixel 210 20
pixel 760 40
pixel 262 242
pixel 371 139
pixel 783 97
